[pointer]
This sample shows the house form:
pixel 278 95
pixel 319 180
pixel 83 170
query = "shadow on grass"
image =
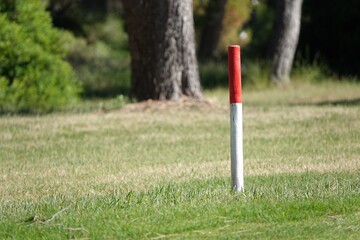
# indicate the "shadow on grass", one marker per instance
pixel 341 102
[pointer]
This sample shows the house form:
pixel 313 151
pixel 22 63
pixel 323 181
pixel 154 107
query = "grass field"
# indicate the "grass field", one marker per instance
pixel 157 170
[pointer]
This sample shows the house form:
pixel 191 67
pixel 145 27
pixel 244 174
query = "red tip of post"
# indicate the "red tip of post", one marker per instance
pixel 234 67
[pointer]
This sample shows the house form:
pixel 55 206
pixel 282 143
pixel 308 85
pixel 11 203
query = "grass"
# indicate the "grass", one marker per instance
pixel 161 170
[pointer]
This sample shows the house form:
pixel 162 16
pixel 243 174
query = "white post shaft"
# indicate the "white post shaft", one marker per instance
pixel 237 162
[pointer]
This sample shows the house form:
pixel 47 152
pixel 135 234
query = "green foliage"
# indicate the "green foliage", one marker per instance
pixel 213 74
pixel 33 75
pixel 259 30
pixel 256 74
pixel 76 15
pixel 310 73
pixel 98 48
pixel 237 13
pixel 102 60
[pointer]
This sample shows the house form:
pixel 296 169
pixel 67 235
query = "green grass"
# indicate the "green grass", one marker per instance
pixel 158 170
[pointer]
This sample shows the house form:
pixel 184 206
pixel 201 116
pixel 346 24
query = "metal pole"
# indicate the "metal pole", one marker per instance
pixel 236 118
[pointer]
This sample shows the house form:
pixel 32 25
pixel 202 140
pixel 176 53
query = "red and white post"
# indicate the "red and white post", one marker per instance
pixel 236 118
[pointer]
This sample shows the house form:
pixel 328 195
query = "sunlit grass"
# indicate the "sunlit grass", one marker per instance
pixel 161 170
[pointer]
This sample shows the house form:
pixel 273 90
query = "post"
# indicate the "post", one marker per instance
pixel 236 123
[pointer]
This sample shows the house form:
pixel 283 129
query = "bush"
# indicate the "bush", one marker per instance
pixel 33 75
pixel 255 74
pixel 213 74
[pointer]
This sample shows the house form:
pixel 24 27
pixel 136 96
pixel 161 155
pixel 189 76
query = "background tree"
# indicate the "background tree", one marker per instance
pixel 211 31
pixel 287 29
pixel 218 23
pixel 162 47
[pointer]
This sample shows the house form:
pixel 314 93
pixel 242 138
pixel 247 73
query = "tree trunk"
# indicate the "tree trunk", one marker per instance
pixel 162 46
pixel 287 31
pixel 213 25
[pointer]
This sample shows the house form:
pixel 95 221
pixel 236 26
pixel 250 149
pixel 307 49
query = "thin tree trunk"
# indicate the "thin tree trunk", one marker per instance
pixel 287 31
pixel 162 46
pixel 213 26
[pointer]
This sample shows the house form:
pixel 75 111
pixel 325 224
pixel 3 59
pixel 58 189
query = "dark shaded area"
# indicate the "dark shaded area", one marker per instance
pixel 211 31
pixel 330 34
pixel 99 54
pixel 74 15
pixel 213 74
pixel 261 24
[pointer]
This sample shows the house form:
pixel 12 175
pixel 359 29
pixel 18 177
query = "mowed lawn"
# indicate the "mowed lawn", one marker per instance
pixel 156 170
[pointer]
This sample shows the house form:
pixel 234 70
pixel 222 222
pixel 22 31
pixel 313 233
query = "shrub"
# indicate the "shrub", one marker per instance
pixel 33 75
pixel 213 74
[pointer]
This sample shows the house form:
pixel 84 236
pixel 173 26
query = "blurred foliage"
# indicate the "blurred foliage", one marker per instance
pixel 102 64
pixel 76 15
pixel 248 24
pixel 331 33
pixel 255 74
pixel 237 13
pixel 99 51
pixel 310 72
pixel 259 30
pixel 213 74
pixel 35 78
pixel 33 75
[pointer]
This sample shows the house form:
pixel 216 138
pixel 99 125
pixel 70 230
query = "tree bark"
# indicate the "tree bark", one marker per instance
pixel 213 25
pixel 162 46
pixel 287 30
